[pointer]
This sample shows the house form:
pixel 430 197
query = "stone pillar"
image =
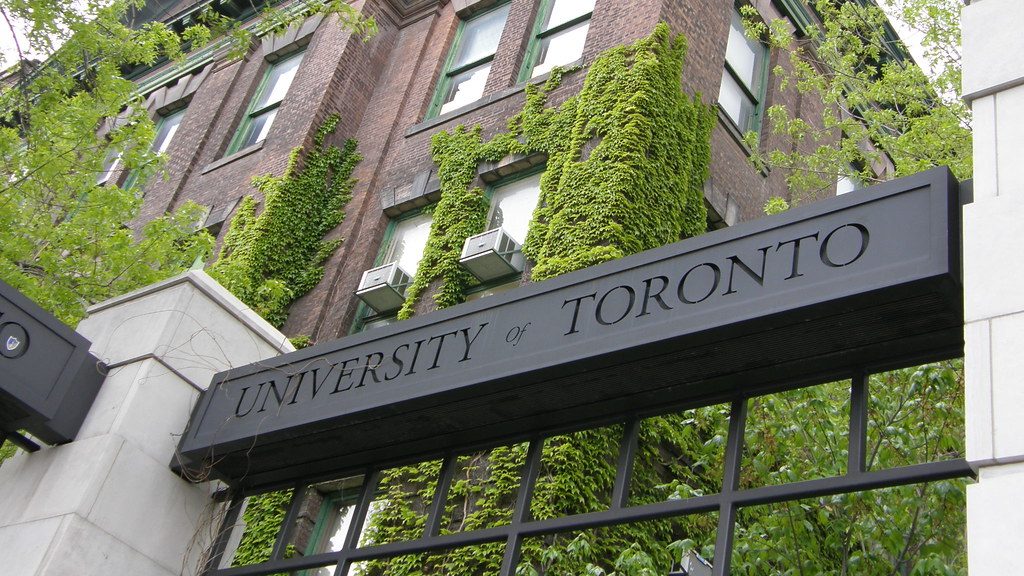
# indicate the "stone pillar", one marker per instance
pixel 107 503
pixel 993 83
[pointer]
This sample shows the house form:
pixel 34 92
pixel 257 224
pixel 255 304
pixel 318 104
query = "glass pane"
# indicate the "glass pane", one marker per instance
pixel 492 291
pixel 480 36
pixel 408 242
pixel 512 206
pixel 110 164
pixel 577 473
pixel 680 455
pixel 916 529
pixel 734 101
pixel 259 127
pixel 484 489
pixel 165 132
pixel 564 10
pixel 279 78
pixel 561 48
pixel 261 521
pixel 399 509
pixel 652 547
pixel 744 55
pixel 476 560
pixel 916 415
pixel 797 435
pixel 465 88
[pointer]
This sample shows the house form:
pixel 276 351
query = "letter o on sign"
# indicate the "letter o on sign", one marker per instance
pixel 13 340
pixel 863 236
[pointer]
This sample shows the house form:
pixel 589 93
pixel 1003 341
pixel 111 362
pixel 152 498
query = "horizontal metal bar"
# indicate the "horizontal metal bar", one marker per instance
pixel 902 476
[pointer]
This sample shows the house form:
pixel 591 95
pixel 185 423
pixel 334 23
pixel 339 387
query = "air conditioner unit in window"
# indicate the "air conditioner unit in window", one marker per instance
pixel 491 255
pixel 383 288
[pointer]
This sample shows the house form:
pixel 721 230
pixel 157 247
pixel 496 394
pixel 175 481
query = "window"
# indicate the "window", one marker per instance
pixel 166 127
pixel 559 36
pixel 165 130
pixel 110 165
pixel 404 242
pixel 407 242
pixel 469 61
pixel 512 206
pixel 743 80
pixel 265 102
pixel 849 181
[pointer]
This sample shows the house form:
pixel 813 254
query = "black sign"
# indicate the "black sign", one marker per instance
pixel 812 291
pixel 48 378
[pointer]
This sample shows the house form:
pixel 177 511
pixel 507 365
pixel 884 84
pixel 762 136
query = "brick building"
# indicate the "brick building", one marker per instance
pixel 432 66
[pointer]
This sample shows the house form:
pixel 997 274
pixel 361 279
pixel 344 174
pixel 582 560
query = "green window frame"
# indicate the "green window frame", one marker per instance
pixel 744 78
pixel 166 127
pixel 263 106
pixel 559 35
pixel 469 60
pixel 517 229
pixel 366 318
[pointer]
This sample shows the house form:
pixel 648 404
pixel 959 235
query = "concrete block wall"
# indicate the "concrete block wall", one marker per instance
pixel 993 83
pixel 108 503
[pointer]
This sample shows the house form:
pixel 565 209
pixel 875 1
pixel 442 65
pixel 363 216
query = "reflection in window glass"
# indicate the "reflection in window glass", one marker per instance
pixel 512 206
pixel 464 79
pixel 166 130
pixel 408 241
pixel 743 77
pixel 560 36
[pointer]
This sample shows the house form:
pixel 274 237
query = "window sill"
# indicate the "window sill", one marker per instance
pixel 570 68
pixel 232 157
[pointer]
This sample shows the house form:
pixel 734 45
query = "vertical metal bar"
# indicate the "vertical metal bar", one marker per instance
pixel 857 463
pixel 294 507
pixel 220 542
pixel 730 483
pixel 436 512
pixel 521 514
pixel 624 471
pixel 370 481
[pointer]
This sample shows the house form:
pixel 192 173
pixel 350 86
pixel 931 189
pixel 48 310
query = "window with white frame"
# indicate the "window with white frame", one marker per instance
pixel 469 60
pixel 743 79
pixel 166 128
pixel 265 103
pixel 110 165
pixel 559 36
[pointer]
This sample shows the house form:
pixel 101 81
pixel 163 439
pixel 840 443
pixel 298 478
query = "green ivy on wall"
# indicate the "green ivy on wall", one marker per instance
pixel 272 258
pixel 627 159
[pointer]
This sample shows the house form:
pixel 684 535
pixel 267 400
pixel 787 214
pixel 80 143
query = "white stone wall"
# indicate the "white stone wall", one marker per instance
pixel 993 83
pixel 107 503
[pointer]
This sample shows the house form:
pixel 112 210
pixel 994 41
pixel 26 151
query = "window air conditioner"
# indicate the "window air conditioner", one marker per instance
pixel 491 255
pixel 383 288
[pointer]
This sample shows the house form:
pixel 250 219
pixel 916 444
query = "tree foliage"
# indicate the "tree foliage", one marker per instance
pixel 66 239
pixel 880 105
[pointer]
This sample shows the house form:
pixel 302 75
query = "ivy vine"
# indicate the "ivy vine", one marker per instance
pixel 627 159
pixel 272 258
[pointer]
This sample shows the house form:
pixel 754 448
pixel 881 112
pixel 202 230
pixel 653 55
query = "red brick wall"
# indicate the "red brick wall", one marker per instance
pixel 383 87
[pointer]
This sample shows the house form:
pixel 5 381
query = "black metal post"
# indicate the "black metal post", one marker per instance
pixel 284 533
pixel 730 484
pixel 436 512
pixel 858 425
pixel 521 514
pixel 624 471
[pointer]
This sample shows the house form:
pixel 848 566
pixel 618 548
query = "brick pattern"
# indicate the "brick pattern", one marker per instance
pixel 382 88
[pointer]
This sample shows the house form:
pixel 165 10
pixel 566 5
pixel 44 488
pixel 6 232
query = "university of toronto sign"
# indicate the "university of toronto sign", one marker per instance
pixel 761 306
